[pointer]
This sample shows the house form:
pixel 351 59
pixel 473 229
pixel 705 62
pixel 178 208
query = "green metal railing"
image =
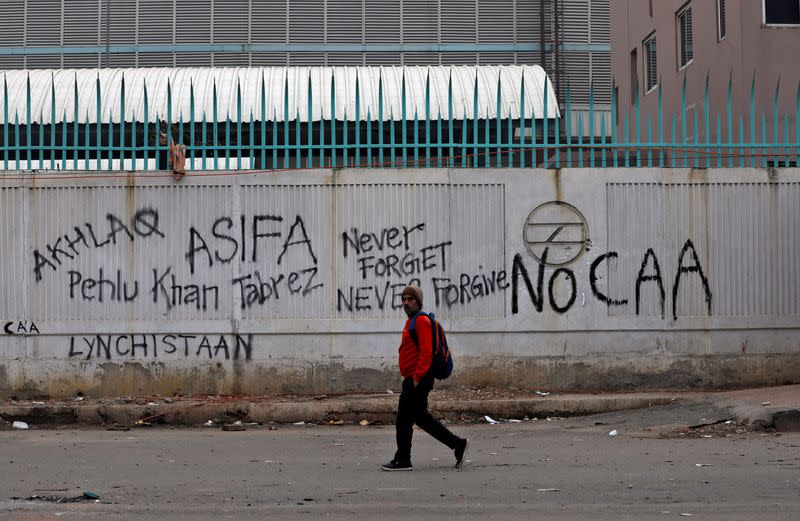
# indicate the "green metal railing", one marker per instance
pixel 259 141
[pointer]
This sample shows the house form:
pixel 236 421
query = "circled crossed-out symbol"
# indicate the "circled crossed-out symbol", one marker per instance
pixel 560 228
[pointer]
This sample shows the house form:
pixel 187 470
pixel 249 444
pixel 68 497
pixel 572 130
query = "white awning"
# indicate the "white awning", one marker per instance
pixel 285 91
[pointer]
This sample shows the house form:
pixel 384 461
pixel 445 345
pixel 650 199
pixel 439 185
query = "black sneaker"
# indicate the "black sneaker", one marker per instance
pixel 396 465
pixel 460 452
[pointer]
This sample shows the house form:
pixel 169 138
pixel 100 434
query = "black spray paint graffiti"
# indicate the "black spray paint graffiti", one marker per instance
pixel 387 261
pixel 469 287
pixel 166 289
pixel 215 347
pixel 245 242
pixel 649 272
pixel 518 270
pixel 655 277
pixel 20 327
pixel 682 270
pixel 387 255
pixel 257 289
pixel 101 288
pixel 386 295
pixel 593 281
pixel 144 224
pixel 220 243
pixel 229 242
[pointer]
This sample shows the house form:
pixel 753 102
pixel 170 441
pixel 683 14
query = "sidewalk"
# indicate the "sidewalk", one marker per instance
pixel 777 407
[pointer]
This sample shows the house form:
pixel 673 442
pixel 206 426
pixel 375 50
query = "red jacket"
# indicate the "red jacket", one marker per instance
pixel 415 361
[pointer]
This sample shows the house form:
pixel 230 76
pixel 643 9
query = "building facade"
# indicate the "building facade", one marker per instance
pixel 749 45
pixel 569 38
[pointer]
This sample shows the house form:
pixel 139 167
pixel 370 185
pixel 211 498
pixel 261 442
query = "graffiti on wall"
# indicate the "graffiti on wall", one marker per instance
pixel 209 347
pixel 379 261
pixel 20 327
pixel 649 277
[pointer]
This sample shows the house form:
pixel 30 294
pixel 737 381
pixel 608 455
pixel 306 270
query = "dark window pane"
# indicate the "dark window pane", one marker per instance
pixel 782 11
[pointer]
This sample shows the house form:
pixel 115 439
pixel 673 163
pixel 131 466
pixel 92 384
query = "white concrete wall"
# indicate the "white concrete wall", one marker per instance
pixel 290 282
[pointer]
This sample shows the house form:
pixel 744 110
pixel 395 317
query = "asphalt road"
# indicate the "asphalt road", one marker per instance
pixel 562 469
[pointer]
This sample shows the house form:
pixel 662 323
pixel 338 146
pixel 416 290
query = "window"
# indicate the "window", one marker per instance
pixel 721 24
pixel 634 76
pixel 650 63
pixel 782 12
pixel 685 53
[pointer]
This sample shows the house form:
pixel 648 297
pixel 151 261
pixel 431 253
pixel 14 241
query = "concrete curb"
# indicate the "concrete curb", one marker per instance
pixel 352 409
pixel 747 406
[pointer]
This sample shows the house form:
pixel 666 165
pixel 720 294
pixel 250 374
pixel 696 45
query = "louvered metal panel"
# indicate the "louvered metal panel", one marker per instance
pixel 122 31
pixel 344 22
pixel 459 58
pixel 156 59
pixel 81 22
pixel 43 29
pixel 577 73
pixel 420 22
pixel 12 32
pixel 156 19
pixel 231 25
pixel 496 22
pixel 685 46
pixel 123 15
pixel 601 77
pixel 81 28
pixel 192 25
pixel 192 59
pixel 383 23
pixel 722 25
pixel 306 22
pixel 12 62
pixel 528 22
pixel 345 58
pixel 421 58
pixel 528 58
pixel 496 58
pixel 299 59
pixel 575 22
pixel 268 22
pixel 231 21
pixel 743 235
pixel 384 58
pixel 231 59
pixel 262 59
pixel 43 23
pixel 458 23
pixel 600 25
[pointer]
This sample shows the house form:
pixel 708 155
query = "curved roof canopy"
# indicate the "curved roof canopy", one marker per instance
pixel 275 92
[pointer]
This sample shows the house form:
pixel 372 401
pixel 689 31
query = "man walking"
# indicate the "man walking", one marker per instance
pixel 415 361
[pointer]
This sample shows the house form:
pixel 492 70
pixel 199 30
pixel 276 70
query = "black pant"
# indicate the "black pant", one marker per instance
pixel 413 408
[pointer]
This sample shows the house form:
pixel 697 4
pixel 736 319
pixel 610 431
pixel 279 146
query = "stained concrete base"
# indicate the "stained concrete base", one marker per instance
pixel 772 407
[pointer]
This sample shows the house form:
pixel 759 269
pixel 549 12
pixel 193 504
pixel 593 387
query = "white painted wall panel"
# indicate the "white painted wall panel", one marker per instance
pixel 319 320
pixel 743 233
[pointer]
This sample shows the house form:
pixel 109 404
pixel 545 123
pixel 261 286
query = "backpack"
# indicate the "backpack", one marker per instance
pixel 442 359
